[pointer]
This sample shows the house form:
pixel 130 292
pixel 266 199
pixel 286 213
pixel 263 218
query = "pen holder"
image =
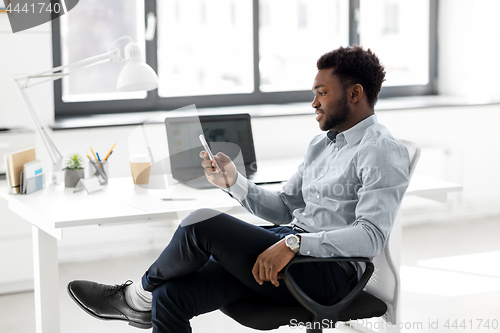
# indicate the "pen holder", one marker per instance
pixel 101 170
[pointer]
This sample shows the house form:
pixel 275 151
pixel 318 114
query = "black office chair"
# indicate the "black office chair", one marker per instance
pixel 262 314
pixel 380 297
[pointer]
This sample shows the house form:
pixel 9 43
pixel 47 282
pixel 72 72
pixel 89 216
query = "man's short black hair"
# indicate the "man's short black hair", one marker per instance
pixel 354 65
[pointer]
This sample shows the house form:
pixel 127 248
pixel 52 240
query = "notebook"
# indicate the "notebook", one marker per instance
pixel 230 134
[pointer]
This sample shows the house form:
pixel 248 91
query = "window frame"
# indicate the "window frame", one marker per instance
pixel 153 102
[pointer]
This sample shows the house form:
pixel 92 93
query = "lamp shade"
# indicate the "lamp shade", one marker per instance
pixel 136 75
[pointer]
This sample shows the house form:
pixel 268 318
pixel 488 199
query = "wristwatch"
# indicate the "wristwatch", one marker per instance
pixel 293 243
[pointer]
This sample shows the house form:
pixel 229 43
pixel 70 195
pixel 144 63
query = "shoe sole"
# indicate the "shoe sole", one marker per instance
pixel 84 308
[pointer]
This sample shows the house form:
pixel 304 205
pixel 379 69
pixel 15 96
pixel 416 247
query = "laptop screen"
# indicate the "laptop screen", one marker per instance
pixel 184 144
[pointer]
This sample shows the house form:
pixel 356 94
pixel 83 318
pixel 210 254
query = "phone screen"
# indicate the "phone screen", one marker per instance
pixel 207 149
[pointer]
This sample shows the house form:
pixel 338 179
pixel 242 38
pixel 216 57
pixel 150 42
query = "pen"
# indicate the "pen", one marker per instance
pixel 110 151
pixel 93 154
pixel 91 163
pixel 176 199
pixel 103 173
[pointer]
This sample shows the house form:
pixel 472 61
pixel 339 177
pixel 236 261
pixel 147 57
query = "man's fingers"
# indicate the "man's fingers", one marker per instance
pixel 223 158
pixel 255 272
pixel 204 155
pixel 273 276
pixel 269 263
pixel 208 164
pixel 269 268
pixel 262 272
pixel 223 176
pixel 259 271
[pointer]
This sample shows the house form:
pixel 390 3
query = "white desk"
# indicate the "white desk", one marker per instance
pixel 53 209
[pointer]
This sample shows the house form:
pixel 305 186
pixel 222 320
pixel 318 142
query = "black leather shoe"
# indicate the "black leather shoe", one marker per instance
pixel 107 302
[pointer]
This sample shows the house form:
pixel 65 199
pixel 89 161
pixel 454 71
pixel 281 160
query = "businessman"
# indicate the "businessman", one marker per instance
pixel 342 201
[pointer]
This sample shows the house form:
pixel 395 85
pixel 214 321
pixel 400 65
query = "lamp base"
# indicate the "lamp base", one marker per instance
pixel 57 178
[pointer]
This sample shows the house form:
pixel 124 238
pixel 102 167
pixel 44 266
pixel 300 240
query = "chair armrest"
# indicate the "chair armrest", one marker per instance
pixel 319 311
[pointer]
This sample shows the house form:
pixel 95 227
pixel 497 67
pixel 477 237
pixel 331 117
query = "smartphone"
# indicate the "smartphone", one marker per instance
pixel 207 149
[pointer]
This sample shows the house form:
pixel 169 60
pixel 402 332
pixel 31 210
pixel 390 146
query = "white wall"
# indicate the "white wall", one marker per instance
pixel 459 144
pixel 27 52
pixel 24 52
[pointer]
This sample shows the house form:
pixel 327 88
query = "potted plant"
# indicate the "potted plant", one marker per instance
pixel 73 171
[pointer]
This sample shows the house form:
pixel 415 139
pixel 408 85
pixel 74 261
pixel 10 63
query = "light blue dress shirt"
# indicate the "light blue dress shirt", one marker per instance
pixel 345 194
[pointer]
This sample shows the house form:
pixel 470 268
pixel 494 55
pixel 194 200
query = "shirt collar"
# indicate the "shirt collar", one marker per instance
pixel 354 134
pixel 331 135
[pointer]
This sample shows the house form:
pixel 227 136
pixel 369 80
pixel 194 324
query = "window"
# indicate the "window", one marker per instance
pixel 399 33
pixel 292 37
pixel 78 41
pixel 238 52
pixel 213 54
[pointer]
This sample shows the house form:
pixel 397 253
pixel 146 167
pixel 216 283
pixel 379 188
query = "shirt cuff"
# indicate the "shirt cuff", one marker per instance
pixel 308 244
pixel 239 189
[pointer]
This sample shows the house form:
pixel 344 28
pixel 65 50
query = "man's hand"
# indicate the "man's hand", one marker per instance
pixel 270 263
pixel 223 177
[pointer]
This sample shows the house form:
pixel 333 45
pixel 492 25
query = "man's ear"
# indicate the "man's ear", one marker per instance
pixel 357 92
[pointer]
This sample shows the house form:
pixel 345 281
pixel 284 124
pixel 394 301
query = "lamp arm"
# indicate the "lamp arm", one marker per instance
pixel 23 82
pixel 57 76
pixel 54 153
pixel 57 72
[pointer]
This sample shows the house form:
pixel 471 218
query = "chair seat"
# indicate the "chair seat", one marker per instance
pixel 262 314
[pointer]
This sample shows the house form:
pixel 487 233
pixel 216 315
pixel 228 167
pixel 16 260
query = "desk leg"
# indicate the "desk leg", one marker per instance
pixel 46 277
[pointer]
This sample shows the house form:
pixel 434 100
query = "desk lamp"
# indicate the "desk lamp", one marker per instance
pixel 136 75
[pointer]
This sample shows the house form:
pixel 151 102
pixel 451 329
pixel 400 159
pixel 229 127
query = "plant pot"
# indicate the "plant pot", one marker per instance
pixel 72 177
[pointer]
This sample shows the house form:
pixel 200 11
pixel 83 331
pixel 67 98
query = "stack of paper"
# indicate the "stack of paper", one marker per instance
pixel 32 177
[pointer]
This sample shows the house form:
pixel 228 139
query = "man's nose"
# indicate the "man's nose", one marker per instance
pixel 315 103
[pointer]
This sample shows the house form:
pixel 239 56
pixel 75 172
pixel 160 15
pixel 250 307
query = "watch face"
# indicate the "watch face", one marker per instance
pixel 292 241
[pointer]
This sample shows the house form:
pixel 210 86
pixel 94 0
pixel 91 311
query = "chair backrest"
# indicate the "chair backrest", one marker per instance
pixel 384 283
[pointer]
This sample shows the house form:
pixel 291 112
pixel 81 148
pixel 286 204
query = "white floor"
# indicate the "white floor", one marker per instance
pixel 450 275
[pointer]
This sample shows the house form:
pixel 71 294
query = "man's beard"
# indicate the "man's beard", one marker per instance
pixel 342 111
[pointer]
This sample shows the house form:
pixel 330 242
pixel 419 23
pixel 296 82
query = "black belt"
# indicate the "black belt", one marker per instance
pixel 299 229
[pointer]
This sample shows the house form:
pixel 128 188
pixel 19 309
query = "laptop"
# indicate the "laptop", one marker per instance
pixel 230 134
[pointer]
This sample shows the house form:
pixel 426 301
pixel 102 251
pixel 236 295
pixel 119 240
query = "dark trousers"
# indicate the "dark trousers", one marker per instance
pixel 208 265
